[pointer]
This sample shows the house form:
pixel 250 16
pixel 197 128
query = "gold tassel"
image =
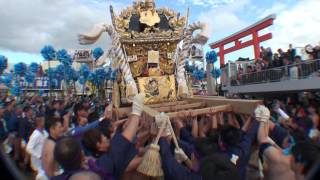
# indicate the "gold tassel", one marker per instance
pixel 151 163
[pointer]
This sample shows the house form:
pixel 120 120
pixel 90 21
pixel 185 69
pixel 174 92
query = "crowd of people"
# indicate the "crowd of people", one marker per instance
pixel 84 138
pixel 268 59
pixel 277 66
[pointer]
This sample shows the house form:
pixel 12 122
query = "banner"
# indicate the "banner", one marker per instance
pixel 82 55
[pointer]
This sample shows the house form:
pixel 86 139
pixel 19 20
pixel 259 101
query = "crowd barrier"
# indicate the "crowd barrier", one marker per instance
pixel 295 71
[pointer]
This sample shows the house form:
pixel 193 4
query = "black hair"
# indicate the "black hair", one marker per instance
pixel 298 135
pixel 297 57
pixel 78 107
pixel 104 127
pixel 51 122
pixel 90 140
pixel 308 122
pixel 230 136
pixel 40 115
pixel 306 152
pixel 27 108
pixel 67 152
pixel 213 135
pixel 205 146
pixel 56 102
pixel 218 166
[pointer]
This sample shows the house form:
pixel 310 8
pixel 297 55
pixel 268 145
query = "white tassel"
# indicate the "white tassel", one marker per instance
pixel 283 114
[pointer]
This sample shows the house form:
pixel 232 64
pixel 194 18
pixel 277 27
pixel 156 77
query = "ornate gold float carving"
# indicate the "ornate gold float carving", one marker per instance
pixel 158 88
pixel 143 28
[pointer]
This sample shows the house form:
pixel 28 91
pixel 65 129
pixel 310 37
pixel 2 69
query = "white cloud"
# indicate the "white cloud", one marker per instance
pixel 206 3
pixel 26 26
pixel 277 7
pixel 224 20
pixel 298 25
pixel 214 3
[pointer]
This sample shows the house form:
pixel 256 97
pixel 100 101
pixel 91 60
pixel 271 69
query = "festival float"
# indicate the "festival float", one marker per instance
pixel 149 47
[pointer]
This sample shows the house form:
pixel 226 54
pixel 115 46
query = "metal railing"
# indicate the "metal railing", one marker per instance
pixel 302 70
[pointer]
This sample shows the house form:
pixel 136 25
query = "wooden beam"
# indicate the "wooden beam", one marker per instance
pixel 181 107
pixel 150 112
pixel 168 104
pixel 203 111
pixel 124 112
pixel 198 96
pixel 239 106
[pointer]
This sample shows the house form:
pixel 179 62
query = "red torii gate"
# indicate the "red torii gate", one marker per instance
pixel 255 41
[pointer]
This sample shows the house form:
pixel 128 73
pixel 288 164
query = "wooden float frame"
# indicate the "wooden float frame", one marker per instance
pixel 205 103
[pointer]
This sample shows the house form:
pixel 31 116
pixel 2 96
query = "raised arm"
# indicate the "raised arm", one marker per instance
pixel 270 152
pixel 95 124
pixel 66 121
pixel 263 115
pixel 172 169
pixel 134 119
pixel 195 126
pixel 247 123
pixel 214 121
pixel 220 119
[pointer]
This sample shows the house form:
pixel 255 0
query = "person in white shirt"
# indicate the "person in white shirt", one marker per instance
pixel 35 144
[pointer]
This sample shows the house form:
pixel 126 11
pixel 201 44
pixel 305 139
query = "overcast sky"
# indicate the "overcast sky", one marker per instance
pixel 28 25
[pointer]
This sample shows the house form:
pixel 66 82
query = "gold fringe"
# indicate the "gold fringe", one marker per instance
pixel 151 162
